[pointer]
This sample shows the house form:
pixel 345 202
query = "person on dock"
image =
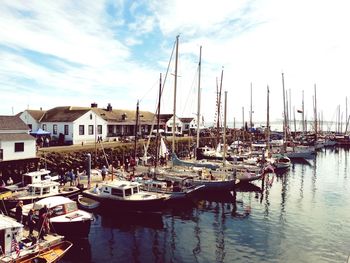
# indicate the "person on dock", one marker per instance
pixel 96 189
pixel 31 221
pixel 104 172
pixel 71 177
pixel 9 181
pixel 43 223
pixel 19 211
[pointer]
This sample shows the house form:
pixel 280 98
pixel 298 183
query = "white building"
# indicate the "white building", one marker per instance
pixel 15 142
pixel 74 124
pixel 32 118
pixel 167 121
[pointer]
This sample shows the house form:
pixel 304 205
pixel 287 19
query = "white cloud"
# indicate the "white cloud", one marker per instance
pixel 255 41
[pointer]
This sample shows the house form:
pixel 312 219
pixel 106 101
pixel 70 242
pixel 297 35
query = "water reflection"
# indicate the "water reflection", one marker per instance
pixel 80 251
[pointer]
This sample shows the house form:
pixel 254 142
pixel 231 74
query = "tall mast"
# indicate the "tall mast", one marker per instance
pixel 158 118
pixel 302 114
pixel 136 128
pixel 219 104
pixel 199 94
pixel 243 124
pixel 225 112
pixel 268 120
pixel 316 129
pixel 284 115
pixel 175 86
pixel 251 106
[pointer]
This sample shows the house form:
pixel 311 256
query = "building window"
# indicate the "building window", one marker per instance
pixel 187 126
pixel 1 154
pixel 66 129
pixel 81 130
pixel 19 146
pixel 90 116
pixel 30 127
pixel 91 129
pixel 99 129
pixel 54 129
pixel 44 127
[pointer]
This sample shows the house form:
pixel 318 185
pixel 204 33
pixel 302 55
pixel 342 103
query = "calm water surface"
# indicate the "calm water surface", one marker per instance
pixel 303 216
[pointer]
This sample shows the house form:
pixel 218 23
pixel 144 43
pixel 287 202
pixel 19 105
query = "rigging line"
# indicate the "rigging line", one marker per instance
pixel 148 91
pixel 192 88
pixel 156 111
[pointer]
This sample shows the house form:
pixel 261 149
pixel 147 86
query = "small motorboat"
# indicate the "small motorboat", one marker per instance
pixel 50 254
pixel 87 203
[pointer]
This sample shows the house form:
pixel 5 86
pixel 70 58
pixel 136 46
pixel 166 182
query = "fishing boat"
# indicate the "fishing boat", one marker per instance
pixel 14 247
pixel 65 217
pixel 49 254
pixel 36 191
pixel 122 195
pixel 87 203
pixel 177 191
pixel 280 161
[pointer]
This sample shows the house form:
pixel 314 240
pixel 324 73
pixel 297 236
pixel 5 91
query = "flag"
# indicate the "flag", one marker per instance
pixel 15 246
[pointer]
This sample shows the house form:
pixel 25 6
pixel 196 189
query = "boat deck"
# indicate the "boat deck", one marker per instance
pixel 50 240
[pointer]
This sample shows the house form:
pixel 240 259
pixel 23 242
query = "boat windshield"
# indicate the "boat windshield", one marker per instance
pixel 71 207
pixel 57 210
pixel 135 190
pixel 128 192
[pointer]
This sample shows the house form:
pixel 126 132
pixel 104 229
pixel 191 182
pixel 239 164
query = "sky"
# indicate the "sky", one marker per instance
pixel 73 53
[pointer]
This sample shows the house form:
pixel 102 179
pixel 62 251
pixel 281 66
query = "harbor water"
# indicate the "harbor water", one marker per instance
pixel 301 215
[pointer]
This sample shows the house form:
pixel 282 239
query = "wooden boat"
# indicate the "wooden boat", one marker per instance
pixel 176 191
pixel 280 161
pixel 124 195
pixel 14 247
pixel 39 190
pixel 65 217
pixel 87 203
pixel 50 254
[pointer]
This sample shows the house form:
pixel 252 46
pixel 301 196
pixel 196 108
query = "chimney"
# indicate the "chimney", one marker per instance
pixel 109 107
pixel 94 105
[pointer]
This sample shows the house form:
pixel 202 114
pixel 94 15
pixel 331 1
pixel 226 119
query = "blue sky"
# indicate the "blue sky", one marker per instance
pixel 57 53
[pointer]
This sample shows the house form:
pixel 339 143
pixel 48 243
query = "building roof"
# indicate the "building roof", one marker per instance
pixel 165 117
pixel 117 115
pixel 12 123
pixel 71 113
pixel 186 120
pixel 36 114
pixel 16 137
pixel 64 114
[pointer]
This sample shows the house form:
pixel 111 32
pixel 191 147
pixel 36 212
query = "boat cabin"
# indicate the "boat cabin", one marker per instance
pixel 43 188
pixel 121 189
pixel 37 176
pixel 58 205
pixel 152 185
pixel 9 230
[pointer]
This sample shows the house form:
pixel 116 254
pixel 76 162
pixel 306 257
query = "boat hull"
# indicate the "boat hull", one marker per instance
pixel 149 205
pixel 72 228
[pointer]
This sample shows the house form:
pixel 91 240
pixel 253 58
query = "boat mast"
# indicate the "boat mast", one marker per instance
pixel 268 121
pixel 284 116
pixel 219 105
pixel 243 124
pixel 302 114
pixel 199 96
pixel 175 86
pixel 315 110
pixel 225 112
pixel 158 119
pixel 251 106
pixel 136 128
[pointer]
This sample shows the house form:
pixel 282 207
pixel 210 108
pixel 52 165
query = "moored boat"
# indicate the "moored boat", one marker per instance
pixel 87 203
pixel 37 191
pixel 64 216
pixel 124 195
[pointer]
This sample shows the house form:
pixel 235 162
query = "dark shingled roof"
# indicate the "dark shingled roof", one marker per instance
pixel 15 137
pixel 186 120
pixel 117 115
pixel 12 123
pixel 36 114
pixel 64 114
